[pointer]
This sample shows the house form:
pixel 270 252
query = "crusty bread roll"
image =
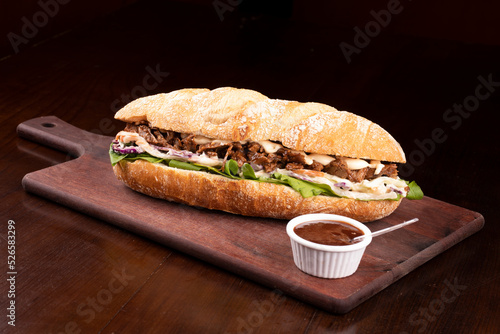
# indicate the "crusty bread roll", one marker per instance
pixel 240 114
pixel 244 197
pixel 245 115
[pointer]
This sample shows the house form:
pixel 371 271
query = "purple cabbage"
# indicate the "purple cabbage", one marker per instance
pixel 396 190
pixel 161 148
pixel 256 167
pixel 137 150
pixel 300 177
pixel 342 185
pixel 126 149
pixel 182 154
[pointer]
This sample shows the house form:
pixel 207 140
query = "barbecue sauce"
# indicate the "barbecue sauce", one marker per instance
pixel 328 232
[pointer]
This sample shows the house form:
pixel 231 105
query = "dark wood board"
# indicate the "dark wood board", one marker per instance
pixel 255 248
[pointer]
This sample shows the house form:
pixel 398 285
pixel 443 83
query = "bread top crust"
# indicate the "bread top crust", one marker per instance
pixel 234 114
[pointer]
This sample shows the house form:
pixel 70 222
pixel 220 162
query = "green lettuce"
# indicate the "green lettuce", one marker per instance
pixel 415 192
pixel 117 157
pixel 306 188
pixel 231 170
pixel 184 165
pixel 248 172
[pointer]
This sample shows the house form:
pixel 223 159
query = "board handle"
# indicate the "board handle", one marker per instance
pixel 56 133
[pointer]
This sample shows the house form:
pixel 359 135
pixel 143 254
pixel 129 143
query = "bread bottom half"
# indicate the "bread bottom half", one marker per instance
pixel 244 197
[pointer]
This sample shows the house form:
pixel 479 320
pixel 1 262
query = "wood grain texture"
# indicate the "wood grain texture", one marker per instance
pixel 255 248
pixel 403 83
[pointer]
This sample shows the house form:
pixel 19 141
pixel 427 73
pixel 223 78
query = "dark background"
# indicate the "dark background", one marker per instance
pixel 427 58
pixel 464 21
pixel 91 57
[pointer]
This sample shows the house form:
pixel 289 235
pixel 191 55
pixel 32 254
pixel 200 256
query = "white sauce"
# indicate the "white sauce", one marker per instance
pixel 321 158
pixel 356 164
pixel 267 145
pixel 222 142
pixel 201 140
pixel 307 159
pixel 377 165
pixel 378 188
pixel 127 137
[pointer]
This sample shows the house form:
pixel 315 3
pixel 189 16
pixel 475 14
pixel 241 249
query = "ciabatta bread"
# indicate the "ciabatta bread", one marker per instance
pixel 241 114
pixel 245 115
pixel 244 197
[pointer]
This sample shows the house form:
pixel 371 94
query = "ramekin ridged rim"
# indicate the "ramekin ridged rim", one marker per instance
pixel 326 216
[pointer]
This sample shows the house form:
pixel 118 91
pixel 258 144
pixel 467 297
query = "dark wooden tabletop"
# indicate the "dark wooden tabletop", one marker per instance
pixel 76 274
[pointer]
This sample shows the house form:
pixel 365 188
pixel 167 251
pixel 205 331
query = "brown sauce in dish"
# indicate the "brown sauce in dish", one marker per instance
pixel 328 232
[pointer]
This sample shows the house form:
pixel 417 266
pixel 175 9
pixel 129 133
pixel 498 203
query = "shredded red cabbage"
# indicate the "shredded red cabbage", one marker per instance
pixel 342 185
pixel 256 167
pixel 300 177
pixel 126 149
pixel 180 154
pixel 396 190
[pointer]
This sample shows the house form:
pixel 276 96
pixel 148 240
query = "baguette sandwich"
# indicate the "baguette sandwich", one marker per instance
pixel 238 151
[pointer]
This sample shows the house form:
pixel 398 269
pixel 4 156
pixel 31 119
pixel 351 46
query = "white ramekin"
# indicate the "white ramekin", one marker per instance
pixel 323 260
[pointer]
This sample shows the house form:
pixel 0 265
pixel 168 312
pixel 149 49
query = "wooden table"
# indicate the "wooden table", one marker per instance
pixel 77 274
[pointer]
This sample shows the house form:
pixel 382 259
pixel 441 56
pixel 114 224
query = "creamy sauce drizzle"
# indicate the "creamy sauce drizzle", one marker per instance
pixel 378 188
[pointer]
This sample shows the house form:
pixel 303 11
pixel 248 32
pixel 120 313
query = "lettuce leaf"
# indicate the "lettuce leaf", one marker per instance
pixel 184 165
pixel 214 170
pixel 415 192
pixel 248 172
pixel 231 170
pixel 306 188
pixel 117 157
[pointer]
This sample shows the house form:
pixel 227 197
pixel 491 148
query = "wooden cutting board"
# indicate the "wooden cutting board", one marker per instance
pixel 255 248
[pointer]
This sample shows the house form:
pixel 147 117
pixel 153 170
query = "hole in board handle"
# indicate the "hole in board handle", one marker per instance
pixel 48 125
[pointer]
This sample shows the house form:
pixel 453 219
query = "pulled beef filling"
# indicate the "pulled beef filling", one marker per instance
pixel 253 153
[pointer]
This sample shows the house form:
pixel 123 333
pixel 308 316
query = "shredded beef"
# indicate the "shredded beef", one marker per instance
pixel 294 165
pixel 238 154
pixel 213 146
pixel 145 132
pixel 254 147
pixel 268 161
pixel 253 152
pixel 390 170
pixel 339 167
pixel 316 166
pixel 189 144
pixel 358 175
pixel 292 156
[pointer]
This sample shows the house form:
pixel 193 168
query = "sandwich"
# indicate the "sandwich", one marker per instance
pixel 238 151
